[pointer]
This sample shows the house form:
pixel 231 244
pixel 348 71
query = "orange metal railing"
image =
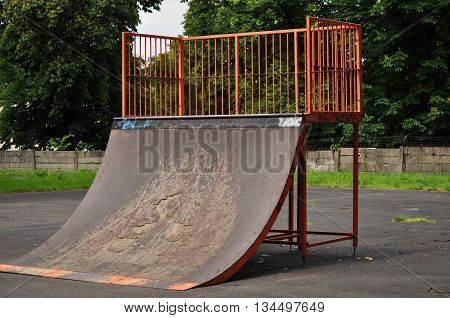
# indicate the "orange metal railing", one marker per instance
pixel 315 70
pixel 333 55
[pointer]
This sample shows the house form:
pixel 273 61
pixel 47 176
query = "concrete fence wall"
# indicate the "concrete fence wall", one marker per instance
pixel 50 159
pixel 404 159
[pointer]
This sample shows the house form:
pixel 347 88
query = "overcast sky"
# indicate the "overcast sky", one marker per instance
pixel 167 21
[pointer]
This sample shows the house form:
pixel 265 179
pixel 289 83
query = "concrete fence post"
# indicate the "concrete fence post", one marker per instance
pixel 335 154
pixel 402 159
pixel 75 159
pixel 33 159
pixel 339 159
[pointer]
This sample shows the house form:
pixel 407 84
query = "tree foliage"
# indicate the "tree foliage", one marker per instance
pixel 406 54
pixel 59 62
pixel 59 68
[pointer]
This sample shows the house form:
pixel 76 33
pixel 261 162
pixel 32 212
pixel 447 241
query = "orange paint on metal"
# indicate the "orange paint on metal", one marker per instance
pixel 55 273
pixel 11 268
pixel 183 286
pixel 128 281
pixel 20 269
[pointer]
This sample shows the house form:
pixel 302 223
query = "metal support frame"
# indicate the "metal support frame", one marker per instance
pixel 155 76
pixel 299 236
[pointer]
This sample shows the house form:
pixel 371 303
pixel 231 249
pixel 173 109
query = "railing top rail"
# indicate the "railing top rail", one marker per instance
pixel 152 36
pixel 355 25
pixel 232 35
pixel 241 34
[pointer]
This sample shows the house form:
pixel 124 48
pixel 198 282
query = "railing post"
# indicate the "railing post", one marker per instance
pixel 124 76
pixel 236 72
pixel 181 79
pixel 297 102
pixel 359 71
pixel 308 66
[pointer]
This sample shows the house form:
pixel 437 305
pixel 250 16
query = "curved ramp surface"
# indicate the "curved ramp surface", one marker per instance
pixel 176 203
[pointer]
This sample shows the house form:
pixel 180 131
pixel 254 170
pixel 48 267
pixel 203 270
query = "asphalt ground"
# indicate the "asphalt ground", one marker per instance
pixel 393 259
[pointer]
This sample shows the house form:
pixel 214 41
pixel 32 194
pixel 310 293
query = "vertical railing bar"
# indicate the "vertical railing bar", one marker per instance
pixel 322 70
pixel 336 59
pixel 252 75
pixel 223 74
pixel 169 80
pixel 124 77
pixel 209 78
pixel 319 67
pixel 267 76
pixel 296 82
pixel 203 78
pixel 281 72
pixel 175 80
pixel 328 69
pixel 245 74
pixel 229 76
pixel 190 78
pixel 160 77
pixel 347 70
pixel 165 78
pixel 140 75
pixel 145 76
pixel 308 66
pixel 196 77
pixel 331 68
pixel 129 75
pixel 287 73
pixel 236 67
pixel 273 73
pixel 150 77
pixel 342 42
pixel 350 72
pixel 344 69
pixel 156 76
pixel 313 69
pixel 215 76
pixel 305 71
pixel 259 75
pixel 134 78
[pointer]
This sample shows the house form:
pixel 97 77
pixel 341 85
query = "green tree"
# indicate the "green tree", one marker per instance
pixel 59 68
pixel 406 55
pixel 206 17
pixel 406 63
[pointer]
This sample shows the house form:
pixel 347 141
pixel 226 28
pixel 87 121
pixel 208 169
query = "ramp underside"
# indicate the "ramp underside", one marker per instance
pixel 174 205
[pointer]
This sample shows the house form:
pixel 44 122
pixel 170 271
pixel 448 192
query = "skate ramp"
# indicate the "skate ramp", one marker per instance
pixel 176 203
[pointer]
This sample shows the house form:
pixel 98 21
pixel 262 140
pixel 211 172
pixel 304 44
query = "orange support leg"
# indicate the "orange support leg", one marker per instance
pixel 301 197
pixel 355 185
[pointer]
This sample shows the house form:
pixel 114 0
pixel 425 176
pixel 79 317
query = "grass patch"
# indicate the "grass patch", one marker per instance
pixel 406 219
pixel 54 180
pixel 378 180
pixel 44 180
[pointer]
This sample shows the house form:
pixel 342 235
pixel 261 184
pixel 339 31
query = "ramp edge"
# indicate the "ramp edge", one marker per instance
pixel 92 278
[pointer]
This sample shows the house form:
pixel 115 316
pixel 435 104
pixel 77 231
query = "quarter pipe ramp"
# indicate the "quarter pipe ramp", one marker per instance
pixel 177 203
